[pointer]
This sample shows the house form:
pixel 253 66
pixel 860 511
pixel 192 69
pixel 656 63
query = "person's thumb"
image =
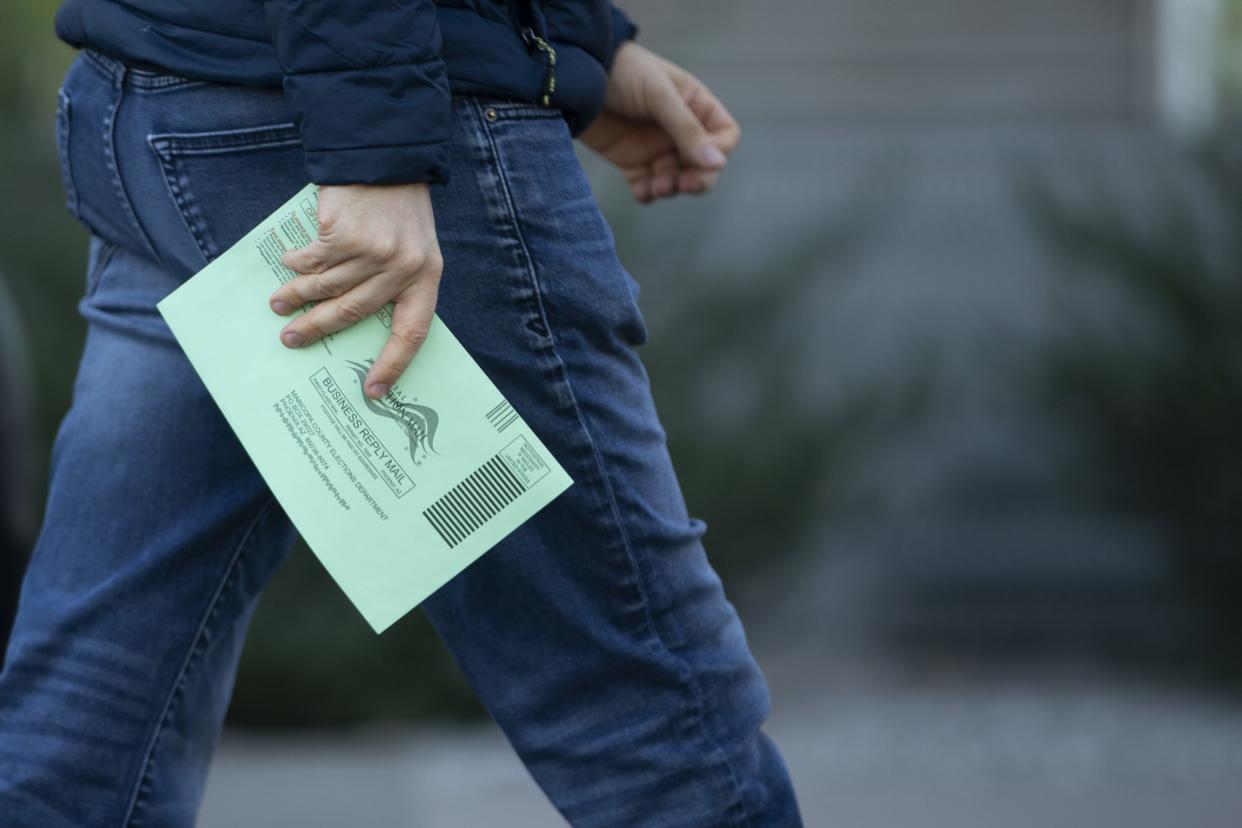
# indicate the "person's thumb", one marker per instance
pixel 694 145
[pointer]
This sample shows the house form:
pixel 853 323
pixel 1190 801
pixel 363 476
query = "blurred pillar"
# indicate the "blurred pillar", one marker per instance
pixel 1190 41
pixel 17 519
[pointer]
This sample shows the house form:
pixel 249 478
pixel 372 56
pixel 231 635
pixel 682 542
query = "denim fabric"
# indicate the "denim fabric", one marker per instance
pixel 597 634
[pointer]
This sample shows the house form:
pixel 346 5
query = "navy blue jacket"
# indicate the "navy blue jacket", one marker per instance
pixel 370 80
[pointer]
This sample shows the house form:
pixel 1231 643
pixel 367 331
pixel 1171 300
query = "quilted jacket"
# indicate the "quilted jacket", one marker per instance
pixel 370 80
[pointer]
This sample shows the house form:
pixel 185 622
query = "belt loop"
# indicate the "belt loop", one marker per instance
pixel 110 65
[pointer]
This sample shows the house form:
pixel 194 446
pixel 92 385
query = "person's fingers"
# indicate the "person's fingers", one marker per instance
pixel 315 257
pixel 696 182
pixel 640 186
pixel 412 313
pixel 712 114
pixel 662 172
pixel 625 142
pixel 676 117
pixel 340 311
pixel 315 286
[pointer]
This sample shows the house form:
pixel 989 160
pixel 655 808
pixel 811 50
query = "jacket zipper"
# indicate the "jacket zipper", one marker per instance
pixel 533 40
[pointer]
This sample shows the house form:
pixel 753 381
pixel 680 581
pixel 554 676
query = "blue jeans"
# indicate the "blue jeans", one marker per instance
pixel 597 634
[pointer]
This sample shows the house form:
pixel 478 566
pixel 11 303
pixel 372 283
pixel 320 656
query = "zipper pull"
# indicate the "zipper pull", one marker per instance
pixel 533 40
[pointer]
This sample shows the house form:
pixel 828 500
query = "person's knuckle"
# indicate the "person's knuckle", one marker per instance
pixel 307 262
pixel 407 263
pixel 411 335
pixel 384 248
pixel 433 263
pixel 328 284
pixel 351 310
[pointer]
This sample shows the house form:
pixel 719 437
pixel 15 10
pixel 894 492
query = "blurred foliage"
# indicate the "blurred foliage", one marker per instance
pixel 42 249
pixel 735 358
pixel 1156 412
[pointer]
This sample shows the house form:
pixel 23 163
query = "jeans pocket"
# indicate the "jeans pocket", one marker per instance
pixel 224 182
pixel 63 109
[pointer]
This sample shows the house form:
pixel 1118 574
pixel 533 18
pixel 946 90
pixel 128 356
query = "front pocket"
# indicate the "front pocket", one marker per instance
pixel 225 182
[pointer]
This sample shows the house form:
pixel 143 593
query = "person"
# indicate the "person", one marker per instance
pixel 597 634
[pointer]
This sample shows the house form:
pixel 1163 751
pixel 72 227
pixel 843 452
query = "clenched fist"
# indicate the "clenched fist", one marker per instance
pixel 661 126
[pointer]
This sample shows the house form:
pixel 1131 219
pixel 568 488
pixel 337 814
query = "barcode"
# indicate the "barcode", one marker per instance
pixel 474 501
pixel 502 416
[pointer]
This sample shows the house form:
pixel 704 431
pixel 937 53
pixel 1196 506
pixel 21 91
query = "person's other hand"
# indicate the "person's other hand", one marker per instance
pixel 661 126
pixel 377 244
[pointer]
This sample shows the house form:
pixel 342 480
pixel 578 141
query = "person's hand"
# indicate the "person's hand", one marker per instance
pixel 377 244
pixel 661 126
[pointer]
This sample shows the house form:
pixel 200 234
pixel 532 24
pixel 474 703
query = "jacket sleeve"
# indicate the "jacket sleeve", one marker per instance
pixel 369 88
pixel 623 29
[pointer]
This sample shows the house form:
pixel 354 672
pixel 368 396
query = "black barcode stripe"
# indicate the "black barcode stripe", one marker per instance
pixel 506 472
pixel 483 495
pixel 472 506
pixel 508 422
pixel 451 513
pixel 487 481
pixel 502 416
pixel 499 481
pixel 440 528
pixel 475 500
pixel 471 520
pixel 463 529
pixel 456 533
pixel 489 475
pixel 502 472
pixel 480 514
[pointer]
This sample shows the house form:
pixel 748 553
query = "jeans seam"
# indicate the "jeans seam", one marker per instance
pixel 142 785
pixel 109 138
pixel 737 805
pixel 187 207
pixel 105 254
pixel 64 116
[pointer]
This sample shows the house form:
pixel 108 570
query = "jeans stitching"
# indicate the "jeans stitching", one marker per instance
pixel 109 139
pixel 187 208
pixel 64 114
pixel 168 146
pixel 143 785
pixel 266 136
pixel 144 79
pixel 737 806
pixel 506 108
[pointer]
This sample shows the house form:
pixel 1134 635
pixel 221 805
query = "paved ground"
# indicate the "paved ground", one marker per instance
pixel 1019 754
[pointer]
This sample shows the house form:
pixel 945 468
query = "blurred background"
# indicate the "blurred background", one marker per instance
pixel 974 278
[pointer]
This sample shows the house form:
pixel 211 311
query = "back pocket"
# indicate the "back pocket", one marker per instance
pixel 226 181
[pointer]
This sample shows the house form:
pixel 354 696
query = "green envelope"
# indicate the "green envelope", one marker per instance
pixel 395 496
